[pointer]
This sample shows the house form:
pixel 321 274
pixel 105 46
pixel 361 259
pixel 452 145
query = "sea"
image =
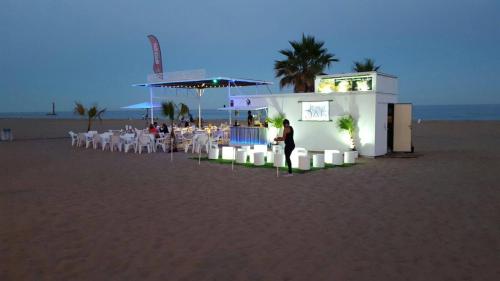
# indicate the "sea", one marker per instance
pixel 422 112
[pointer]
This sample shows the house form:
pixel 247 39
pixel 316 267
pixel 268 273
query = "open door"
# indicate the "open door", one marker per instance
pixel 402 135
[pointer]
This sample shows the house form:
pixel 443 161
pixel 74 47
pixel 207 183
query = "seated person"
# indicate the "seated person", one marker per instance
pixel 164 128
pixel 153 131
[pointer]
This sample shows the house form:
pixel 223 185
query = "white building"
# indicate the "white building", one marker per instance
pixel 367 97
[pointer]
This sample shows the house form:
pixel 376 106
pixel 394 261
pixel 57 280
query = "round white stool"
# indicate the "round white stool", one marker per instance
pixel 337 159
pixel 213 153
pixel 241 156
pixel 258 158
pixel 318 160
pixel 304 162
pixel 350 157
pixel 279 160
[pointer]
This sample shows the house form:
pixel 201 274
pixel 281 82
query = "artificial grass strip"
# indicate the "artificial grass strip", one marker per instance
pixel 270 165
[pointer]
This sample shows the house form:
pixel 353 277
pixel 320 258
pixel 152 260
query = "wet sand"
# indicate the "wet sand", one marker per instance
pixel 77 214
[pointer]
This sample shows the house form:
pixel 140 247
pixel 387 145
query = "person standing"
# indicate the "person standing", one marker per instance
pixel 250 118
pixel 289 144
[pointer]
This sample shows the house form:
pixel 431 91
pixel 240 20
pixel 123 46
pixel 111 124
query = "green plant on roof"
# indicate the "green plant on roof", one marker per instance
pixel 347 124
pixel 365 65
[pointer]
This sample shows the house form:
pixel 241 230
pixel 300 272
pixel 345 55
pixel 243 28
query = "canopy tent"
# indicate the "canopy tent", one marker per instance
pixel 143 105
pixel 201 84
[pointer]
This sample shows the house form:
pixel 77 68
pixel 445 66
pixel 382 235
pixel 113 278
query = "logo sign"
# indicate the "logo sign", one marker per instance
pixel 315 110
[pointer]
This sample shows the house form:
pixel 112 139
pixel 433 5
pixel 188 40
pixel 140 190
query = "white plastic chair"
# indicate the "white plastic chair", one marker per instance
pixel 163 142
pixel 81 138
pixel 200 141
pixel 116 142
pixel 144 140
pixel 74 138
pixel 96 141
pixel 129 141
pixel 105 140
pixel 89 138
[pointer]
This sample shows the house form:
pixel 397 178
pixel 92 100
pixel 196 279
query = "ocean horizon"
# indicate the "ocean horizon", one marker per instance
pixel 422 112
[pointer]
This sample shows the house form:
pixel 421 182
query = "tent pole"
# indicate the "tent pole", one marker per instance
pixel 229 100
pixel 200 93
pixel 151 102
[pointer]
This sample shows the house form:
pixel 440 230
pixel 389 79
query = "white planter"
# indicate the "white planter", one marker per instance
pixel 350 157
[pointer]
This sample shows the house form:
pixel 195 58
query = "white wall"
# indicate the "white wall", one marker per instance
pixel 321 135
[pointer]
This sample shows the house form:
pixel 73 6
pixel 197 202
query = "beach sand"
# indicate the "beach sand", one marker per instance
pixel 75 214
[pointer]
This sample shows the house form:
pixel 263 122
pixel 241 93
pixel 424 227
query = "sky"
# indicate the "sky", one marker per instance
pixel 443 51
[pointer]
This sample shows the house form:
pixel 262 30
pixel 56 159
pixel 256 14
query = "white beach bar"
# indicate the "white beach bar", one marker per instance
pixel 365 96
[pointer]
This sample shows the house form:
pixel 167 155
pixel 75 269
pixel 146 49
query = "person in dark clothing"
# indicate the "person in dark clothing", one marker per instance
pixel 164 128
pixel 289 143
pixel 250 118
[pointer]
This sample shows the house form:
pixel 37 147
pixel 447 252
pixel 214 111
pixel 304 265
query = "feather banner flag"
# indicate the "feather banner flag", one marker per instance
pixel 157 63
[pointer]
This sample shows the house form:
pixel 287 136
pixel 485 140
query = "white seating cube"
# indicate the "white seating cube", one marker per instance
pixel 260 148
pixel 213 153
pixel 258 158
pixel 270 157
pixel 328 155
pixel 298 151
pixel 350 157
pixel 318 160
pixel 250 153
pixel 304 162
pixel 337 158
pixel 279 160
pixel 228 153
pixel 241 156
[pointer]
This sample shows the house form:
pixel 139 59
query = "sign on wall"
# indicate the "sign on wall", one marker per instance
pixel 345 84
pixel 315 111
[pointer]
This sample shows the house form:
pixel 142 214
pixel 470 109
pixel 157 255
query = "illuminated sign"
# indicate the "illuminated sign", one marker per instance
pixel 345 84
pixel 315 111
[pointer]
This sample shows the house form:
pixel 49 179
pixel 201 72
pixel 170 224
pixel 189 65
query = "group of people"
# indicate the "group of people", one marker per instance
pixel 155 129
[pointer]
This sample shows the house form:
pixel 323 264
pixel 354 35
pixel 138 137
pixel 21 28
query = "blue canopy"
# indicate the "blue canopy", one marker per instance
pixel 143 105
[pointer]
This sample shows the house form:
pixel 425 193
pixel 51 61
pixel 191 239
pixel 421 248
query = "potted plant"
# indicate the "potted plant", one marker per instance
pixel 277 122
pixel 347 124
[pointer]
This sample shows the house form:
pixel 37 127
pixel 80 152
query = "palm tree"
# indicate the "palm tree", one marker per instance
pixel 365 66
pixel 173 112
pixel 303 62
pixel 92 113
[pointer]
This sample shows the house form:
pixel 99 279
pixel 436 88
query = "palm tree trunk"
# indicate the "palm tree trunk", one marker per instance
pixel 172 136
pixel 88 124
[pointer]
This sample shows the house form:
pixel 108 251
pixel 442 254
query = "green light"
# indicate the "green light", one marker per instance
pixel 215 81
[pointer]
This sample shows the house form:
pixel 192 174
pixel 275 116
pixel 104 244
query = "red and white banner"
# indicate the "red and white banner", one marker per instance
pixel 157 63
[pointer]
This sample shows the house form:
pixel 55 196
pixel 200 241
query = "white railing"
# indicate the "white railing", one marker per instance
pixel 182 75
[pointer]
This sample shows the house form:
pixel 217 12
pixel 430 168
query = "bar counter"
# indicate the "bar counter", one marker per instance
pixel 248 135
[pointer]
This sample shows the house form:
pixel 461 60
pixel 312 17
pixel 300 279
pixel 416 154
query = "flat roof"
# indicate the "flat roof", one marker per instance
pixel 243 108
pixel 212 82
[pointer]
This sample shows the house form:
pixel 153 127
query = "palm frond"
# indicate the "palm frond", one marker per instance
pixel 79 109
pixel 365 66
pixel 306 59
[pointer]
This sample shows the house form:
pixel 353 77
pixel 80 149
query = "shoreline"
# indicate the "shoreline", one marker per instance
pixel 40 128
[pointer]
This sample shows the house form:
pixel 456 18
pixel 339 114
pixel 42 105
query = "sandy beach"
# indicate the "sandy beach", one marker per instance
pixel 80 214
